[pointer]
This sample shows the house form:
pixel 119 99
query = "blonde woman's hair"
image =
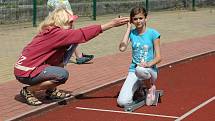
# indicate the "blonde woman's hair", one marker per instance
pixel 59 17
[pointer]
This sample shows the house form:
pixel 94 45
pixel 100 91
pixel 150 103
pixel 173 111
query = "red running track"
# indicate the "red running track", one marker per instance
pixel 189 95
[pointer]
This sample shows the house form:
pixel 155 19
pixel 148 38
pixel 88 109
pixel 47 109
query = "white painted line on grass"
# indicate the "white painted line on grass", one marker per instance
pixel 133 113
pixel 195 109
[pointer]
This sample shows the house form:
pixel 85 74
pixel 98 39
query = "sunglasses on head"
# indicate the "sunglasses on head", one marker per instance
pixel 73 17
pixel 136 18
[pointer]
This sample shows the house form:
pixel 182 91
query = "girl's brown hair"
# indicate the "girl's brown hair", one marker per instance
pixel 137 10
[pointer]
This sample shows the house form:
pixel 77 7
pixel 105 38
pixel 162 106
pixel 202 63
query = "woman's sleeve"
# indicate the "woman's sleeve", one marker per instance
pixel 81 35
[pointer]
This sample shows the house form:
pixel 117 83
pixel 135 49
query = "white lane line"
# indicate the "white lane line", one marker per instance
pixel 133 113
pixel 195 109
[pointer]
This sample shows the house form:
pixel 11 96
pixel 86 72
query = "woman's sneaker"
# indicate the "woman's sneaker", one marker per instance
pixel 150 98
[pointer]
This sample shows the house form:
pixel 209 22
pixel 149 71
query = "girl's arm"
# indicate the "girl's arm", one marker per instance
pixel 157 58
pixel 124 43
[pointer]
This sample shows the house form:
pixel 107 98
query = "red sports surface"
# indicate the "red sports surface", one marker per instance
pixel 189 95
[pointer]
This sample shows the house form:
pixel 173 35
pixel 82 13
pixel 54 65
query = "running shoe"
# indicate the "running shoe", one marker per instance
pixel 150 98
pixel 82 60
pixel 88 56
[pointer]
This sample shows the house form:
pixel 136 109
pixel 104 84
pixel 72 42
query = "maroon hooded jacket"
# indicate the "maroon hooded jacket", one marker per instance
pixel 48 48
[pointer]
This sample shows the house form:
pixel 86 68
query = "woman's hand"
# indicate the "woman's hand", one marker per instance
pixel 115 23
pixel 120 21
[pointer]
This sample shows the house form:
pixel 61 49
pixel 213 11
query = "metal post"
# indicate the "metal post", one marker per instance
pixel 193 5
pixel 94 9
pixel 147 5
pixel 34 13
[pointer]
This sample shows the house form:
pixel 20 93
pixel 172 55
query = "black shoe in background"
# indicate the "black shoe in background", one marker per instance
pixel 82 60
pixel 88 56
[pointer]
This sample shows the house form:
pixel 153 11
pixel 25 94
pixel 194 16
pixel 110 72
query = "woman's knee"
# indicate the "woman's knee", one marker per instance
pixel 57 74
pixel 62 77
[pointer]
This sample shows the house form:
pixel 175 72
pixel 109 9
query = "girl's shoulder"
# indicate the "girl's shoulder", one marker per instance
pixel 153 32
pixel 151 29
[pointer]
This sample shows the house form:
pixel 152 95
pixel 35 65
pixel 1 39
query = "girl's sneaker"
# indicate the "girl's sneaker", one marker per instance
pixel 150 98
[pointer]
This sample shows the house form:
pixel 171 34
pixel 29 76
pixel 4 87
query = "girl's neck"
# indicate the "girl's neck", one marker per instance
pixel 141 30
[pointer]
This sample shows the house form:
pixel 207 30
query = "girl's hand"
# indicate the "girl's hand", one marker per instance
pixel 122 47
pixel 129 25
pixel 145 64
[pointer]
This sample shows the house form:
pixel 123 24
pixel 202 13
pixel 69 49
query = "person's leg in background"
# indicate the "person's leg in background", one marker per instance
pixel 69 53
pixel 82 58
